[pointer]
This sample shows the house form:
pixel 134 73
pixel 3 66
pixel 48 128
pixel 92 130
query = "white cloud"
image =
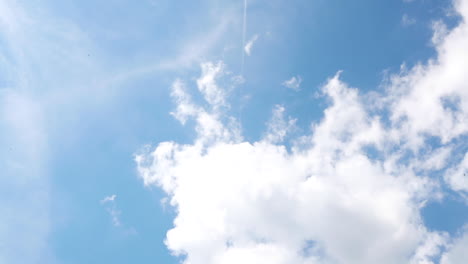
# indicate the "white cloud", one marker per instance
pixel 209 120
pixel 457 176
pixel 48 82
pixel 437 88
pixel 432 247
pixel 326 199
pixel 248 47
pixel 279 126
pixel 406 20
pixel 110 204
pixel 440 32
pixel 457 253
pixel 208 86
pixel 434 160
pixel 293 83
pixel 108 199
pixel 243 202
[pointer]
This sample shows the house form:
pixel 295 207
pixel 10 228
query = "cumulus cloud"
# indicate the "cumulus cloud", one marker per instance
pixel 348 191
pixel 245 202
pixel 431 99
pixel 457 176
pixel 249 45
pixel 293 83
pixel 457 252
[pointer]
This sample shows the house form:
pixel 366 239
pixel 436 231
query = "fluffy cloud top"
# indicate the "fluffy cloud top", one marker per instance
pixel 457 253
pixel 350 191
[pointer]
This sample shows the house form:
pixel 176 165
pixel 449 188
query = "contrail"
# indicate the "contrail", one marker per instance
pixel 244 27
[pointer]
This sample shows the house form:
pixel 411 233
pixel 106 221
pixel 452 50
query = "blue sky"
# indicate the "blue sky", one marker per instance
pixel 163 131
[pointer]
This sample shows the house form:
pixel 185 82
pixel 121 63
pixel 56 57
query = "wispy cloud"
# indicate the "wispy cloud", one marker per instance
pixel 294 83
pixel 109 202
pixel 108 199
pixel 279 125
pixel 249 45
pixel 34 46
pixel 406 20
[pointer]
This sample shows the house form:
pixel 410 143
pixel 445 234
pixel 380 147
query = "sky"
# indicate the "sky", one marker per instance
pixel 234 131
